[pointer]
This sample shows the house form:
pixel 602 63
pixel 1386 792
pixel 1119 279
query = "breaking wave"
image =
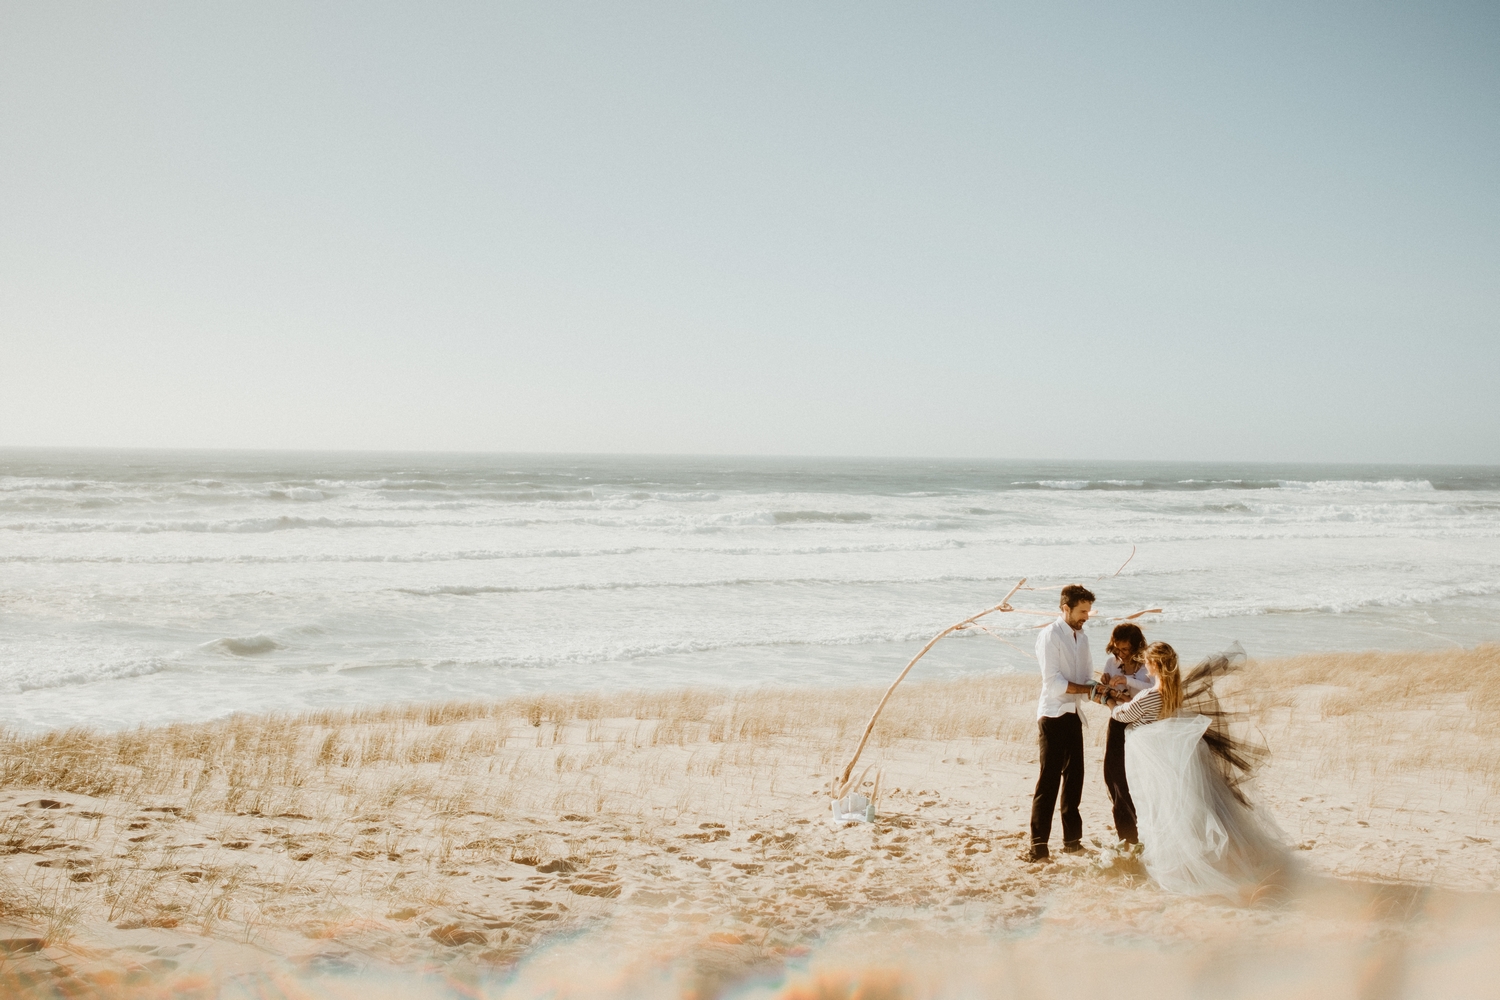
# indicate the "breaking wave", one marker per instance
pixel 41 676
pixel 250 645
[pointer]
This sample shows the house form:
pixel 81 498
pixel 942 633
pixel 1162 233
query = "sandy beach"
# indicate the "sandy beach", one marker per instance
pixel 679 844
pixel 470 472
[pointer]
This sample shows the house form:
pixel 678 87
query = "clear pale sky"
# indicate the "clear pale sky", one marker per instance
pixel 1197 231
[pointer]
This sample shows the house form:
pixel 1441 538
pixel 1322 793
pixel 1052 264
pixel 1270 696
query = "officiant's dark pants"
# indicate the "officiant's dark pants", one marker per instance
pixel 1060 741
pixel 1114 780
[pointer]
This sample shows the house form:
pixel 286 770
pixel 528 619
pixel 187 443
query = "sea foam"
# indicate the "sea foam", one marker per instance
pixel 181 586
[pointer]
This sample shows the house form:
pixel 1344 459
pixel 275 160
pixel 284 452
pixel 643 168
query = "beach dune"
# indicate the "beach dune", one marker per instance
pixel 679 843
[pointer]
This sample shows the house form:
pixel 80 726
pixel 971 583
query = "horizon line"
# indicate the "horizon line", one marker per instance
pixel 771 456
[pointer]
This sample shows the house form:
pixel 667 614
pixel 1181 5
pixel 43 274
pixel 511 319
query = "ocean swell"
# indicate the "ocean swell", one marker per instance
pixel 250 645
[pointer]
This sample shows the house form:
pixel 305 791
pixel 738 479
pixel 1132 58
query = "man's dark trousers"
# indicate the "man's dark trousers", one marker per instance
pixel 1060 741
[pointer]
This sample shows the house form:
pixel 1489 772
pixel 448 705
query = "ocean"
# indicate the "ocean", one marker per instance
pixel 147 587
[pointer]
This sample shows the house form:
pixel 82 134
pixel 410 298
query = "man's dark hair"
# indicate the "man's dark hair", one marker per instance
pixel 1074 595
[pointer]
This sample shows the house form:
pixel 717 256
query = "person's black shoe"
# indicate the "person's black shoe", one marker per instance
pixel 1035 853
pixel 1073 847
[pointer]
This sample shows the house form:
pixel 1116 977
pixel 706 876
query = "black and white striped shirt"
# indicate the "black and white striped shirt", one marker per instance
pixel 1141 710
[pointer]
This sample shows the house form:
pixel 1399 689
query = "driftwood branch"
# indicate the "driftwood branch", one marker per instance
pixel 841 784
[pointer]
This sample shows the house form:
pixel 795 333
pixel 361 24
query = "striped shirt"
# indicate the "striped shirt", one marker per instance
pixel 1141 710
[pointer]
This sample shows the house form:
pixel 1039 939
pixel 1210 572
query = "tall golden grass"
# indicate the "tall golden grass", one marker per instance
pixel 274 763
pixel 1384 715
pixel 331 759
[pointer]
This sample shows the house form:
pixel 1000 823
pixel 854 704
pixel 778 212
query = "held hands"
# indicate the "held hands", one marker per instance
pixel 1110 691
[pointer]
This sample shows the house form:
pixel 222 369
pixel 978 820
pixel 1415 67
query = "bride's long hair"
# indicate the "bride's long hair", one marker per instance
pixel 1161 660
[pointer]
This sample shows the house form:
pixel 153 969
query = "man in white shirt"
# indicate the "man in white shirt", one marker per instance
pixel 1062 650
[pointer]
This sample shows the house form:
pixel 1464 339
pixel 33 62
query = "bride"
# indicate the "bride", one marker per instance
pixel 1200 833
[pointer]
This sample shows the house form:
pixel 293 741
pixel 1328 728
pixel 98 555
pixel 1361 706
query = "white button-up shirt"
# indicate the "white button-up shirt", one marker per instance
pixel 1064 657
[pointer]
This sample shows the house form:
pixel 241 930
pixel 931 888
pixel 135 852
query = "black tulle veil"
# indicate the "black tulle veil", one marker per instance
pixel 1235 755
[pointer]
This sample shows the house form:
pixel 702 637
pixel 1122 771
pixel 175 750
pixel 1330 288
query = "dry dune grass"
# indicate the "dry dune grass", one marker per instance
pixel 1385 716
pixel 1369 682
pixel 475 831
pixel 277 764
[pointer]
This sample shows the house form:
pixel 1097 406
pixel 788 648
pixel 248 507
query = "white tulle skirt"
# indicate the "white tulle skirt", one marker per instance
pixel 1197 837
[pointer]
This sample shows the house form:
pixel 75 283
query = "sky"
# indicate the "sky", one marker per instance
pixel 1259 232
